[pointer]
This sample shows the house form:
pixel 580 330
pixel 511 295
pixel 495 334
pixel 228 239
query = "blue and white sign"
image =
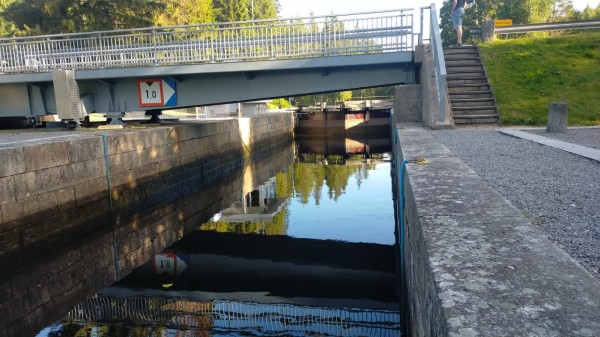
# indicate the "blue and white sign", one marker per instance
pixel 157 92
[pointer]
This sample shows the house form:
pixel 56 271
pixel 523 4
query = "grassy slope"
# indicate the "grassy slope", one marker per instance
pixel 528 73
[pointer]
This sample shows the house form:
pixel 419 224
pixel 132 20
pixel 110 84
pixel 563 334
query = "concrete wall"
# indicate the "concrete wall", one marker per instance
pixel 474 265
pixel 420 102
pixel 57 228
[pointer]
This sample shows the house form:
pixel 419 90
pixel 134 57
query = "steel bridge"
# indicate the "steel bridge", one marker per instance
pixel 182 66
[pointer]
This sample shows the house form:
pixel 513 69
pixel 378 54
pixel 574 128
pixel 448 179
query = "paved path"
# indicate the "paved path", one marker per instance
pixel 556 189
pixel 569 147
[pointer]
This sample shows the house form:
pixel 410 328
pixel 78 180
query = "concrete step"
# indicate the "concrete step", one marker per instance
pixel 459 57
pixel 463 62
pixel 472 102
pixel 474 110
pixel 489 120
pixel 460 50
pixel 468 87
pixel 466 75
pixel 494 115
pixel 466 94
pixel 461 82
pixel 464 69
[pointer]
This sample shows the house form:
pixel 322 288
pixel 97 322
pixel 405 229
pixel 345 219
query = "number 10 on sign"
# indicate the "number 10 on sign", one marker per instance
pixel 156 92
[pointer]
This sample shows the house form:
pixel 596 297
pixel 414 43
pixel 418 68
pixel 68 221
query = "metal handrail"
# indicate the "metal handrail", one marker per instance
pixel 332 35
pixel 438 57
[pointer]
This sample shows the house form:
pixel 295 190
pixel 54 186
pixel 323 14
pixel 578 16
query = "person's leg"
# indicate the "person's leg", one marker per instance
pixel 457 25
pixel 459 31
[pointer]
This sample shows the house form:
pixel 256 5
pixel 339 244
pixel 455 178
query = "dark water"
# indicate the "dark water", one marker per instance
pixel 308 251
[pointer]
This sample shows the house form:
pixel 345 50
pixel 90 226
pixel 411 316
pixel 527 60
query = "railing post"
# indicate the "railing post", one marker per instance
pixel 211 42
pixel 101 51
pixel 154 46
pixel 272 41
pixel 421 27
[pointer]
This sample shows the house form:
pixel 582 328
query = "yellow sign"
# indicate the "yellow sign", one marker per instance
pixel 503 23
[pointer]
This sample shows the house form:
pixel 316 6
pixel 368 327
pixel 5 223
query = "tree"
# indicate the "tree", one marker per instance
pixel 520 11
pixel 185 12
pixel 231 10
pixel 68 16
pixel 562 10
pixel 7 28
pixel 264 9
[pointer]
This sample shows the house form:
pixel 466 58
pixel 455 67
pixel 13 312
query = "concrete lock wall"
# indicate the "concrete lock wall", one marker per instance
pixel 57 231
pixel 474 265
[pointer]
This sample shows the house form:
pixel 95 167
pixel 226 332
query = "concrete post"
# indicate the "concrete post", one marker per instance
pixel 488 31
pixel 557 117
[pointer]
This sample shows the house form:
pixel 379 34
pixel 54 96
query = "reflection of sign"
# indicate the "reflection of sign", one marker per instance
pixel 169 263
pixel 157 92
pixel 503 22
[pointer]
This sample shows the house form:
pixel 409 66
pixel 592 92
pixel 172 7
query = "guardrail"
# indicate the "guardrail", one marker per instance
pixel 539 27
pixel 435 40
pixel 349 34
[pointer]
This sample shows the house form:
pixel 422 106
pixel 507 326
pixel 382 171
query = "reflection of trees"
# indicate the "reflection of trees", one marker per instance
pixel 310 177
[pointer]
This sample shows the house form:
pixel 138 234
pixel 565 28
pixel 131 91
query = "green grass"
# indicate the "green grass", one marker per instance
pixel 527 74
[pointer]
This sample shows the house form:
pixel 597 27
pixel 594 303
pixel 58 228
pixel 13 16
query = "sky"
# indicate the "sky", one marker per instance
pixel 303 8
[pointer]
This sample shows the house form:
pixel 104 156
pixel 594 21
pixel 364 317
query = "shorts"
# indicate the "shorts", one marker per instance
pixel 457 17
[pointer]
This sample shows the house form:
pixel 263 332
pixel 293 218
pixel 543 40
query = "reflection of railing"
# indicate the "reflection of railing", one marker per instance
pixel 251 317
pixel 362 33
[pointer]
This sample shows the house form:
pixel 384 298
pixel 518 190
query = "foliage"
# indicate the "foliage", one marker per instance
pixel 309 179
pixel 232 10
pixel 279 103
pixel 520 11
pixel 529 73
pixel 34 17
pixel 264 9
pixel 185 12
pixel 68 16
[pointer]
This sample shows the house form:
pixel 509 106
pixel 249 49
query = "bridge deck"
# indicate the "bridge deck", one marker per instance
pixel 352 34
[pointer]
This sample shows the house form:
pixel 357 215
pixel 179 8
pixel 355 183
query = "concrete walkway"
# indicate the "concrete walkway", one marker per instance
pixel 569 147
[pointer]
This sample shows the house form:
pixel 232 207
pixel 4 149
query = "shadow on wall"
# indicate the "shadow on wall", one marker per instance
pixel 165 182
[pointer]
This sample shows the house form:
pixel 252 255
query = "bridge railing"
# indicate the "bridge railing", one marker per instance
pixel 334 35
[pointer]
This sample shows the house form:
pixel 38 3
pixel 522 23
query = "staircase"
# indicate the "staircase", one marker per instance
pixel 471 96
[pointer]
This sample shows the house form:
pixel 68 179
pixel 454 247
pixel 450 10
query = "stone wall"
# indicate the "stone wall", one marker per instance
pixel 58 229
pixel 474 265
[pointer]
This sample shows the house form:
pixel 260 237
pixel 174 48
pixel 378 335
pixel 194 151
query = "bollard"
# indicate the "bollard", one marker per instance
pixel 557 117
pixel 488 31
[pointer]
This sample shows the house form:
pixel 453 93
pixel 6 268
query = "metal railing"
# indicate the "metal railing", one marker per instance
pixel 349 34
pixel 542 27
pixel 549 26
pixel 438 56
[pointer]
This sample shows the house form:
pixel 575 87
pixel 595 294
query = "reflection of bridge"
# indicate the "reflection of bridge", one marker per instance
pixel 155 68
pixel 255 318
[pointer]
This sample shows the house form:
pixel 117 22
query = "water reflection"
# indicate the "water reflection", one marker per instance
pixel 305 250
pixel 334 194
